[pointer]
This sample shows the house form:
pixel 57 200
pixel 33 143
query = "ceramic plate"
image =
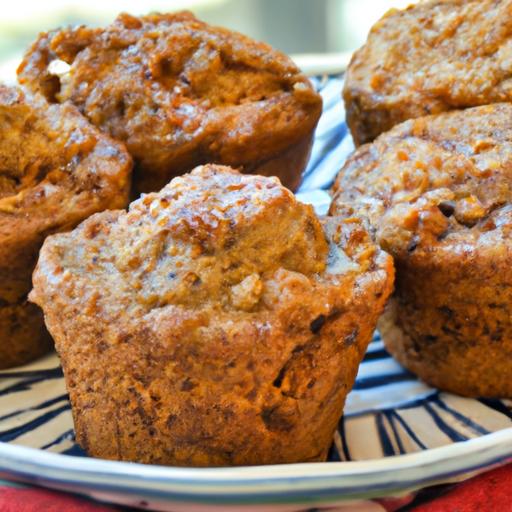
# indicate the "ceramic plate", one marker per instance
pixel 397 433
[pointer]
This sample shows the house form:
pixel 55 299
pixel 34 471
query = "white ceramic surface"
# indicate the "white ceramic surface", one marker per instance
pixel 397 433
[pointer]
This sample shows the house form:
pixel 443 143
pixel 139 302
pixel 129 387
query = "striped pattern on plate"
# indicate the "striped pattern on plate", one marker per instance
pixel 388 413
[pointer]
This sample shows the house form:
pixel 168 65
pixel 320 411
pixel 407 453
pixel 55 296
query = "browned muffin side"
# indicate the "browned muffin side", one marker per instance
pixel 55 170
pixel 217 323
pixel 432 57
pixel 437 192
pixel 181 93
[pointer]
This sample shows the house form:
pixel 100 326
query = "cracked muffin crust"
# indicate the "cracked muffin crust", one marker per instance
pixel 55 170
pixel 437 192
pixel 216 323
pixel 432 57
pixel 180 93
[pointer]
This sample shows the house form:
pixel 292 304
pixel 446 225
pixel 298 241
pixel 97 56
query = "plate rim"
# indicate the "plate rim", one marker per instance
pixel 287 483
pixel 272 484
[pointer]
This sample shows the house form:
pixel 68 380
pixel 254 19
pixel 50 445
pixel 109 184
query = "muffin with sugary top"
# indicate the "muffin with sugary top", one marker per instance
pixel 218 322
pixel 55 170
pixel 180 93
pixel 437 193
pixel 432 57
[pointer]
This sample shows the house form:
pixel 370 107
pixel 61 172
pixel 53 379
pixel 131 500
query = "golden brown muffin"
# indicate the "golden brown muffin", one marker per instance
pixel 180 93
pixel 55 170
pixel 437 192
pixel 432 57
pixel 216 323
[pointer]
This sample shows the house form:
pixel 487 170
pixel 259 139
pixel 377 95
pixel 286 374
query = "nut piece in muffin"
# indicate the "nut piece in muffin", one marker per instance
pixel 216 323
pixel 437 192
pixel 432 57
pixel 180 93
pixel 55 170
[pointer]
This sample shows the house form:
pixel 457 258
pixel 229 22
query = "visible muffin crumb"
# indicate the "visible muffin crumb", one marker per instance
pixel 438 199
pixel 55 170
pixel 180 93
pixel 223 296
pixel 432 57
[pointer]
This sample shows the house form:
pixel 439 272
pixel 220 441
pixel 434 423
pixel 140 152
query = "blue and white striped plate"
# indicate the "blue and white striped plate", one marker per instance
pixel 397 433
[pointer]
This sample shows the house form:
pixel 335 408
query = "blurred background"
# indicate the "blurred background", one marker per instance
pixel 293 26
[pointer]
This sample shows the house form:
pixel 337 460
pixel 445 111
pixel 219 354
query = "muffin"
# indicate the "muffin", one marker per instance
pixel 180 93
pixel 216 323
pixel 437 192
pixel 55 170
pixel 432 57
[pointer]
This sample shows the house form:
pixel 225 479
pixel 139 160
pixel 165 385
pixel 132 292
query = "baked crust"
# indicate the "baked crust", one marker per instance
pixel 437 193
pixel 24 336
pixel 216 323
pixel 432 57
pixel 55 170
pixel 180 93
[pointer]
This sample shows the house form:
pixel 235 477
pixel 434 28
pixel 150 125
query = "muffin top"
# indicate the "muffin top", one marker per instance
pixel 442 182
pixel 434 56
pixel 55 168
pixel 189 92
pixel 211 239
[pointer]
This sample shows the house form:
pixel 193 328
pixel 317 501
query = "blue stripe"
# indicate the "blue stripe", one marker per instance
pixel 49 373
pixel 15 432
pixel 390 418
pixel 294 495
pixel 376 381
pixel 443 426
pixel 324 163
pixel 42 405
pixel 385 441
pixel 376 355
pixel 69 434
pixel 461 417
pixel 497 405
pixel 75 451
pixel 333 141
pixel 408 429
pixel 333 455
pixel 418 402
pixel 344 445
pixel 330 131
pixel 26 385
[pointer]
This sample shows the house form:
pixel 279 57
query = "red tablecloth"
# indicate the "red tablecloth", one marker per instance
pixel 29 499
pixel 489 492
